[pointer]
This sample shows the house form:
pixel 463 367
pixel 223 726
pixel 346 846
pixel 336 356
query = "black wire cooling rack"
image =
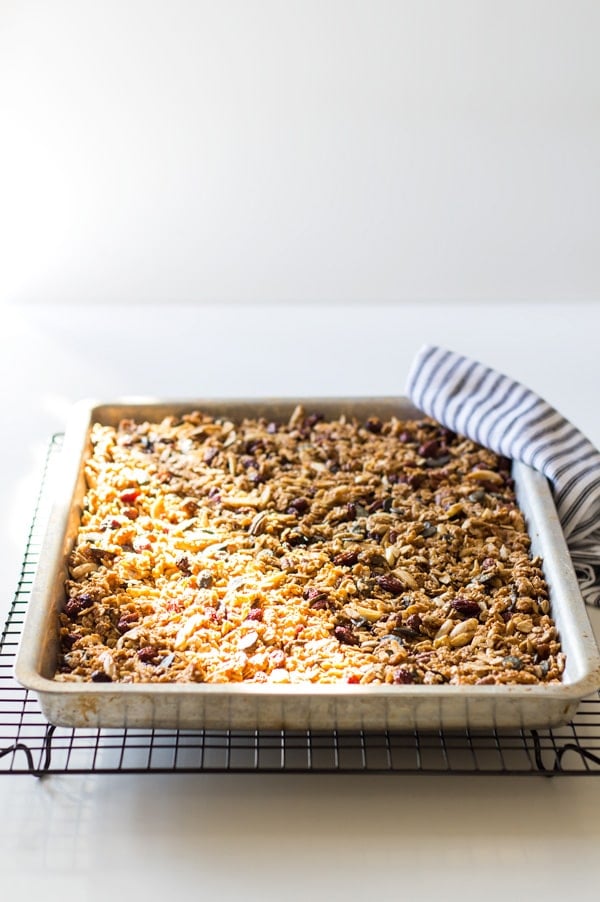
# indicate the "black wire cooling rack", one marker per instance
pixel 29 745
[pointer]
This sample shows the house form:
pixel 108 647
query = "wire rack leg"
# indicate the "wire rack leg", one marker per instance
pixel 559 753
pixel 44 767
pixel 19 747
pixel 537 754
pixel 571 747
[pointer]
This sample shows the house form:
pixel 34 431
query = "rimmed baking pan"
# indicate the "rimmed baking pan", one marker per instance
pixel 293 706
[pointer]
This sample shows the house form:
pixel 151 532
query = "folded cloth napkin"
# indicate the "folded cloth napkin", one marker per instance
pixel 505 416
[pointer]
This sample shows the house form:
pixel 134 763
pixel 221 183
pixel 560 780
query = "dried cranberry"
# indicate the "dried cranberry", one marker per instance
pixel 75 606
pixel 125 622
pixel 374 425
pixel 403 676
pixel 148 654
pixel 431 448
pixel 298 506
pixel 414 622
pixel 465 607
pixel 414 480
pixel 390 583
pixel 353 678
pixel 129 496
pixel 255 614
pixel 345 635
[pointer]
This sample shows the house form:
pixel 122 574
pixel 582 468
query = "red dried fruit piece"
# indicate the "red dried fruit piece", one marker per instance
pixel 353 678
pixel 148 654
pixel 129 496
pixel 390 583
pixel 131 513
pixel 403 676
pixel 75 606
pixel 255 614
pixel 465 607
pixel 345 635
pixel 414 480
pixel 430 449
pixel 298 506
pixel 125 622
pixel 414 623
pixel 374 425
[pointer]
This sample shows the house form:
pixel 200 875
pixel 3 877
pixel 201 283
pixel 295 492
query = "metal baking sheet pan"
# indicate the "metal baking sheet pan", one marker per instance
pixel 294 706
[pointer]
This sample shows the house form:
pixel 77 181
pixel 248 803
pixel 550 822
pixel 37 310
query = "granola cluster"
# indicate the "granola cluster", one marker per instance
pixel 314 550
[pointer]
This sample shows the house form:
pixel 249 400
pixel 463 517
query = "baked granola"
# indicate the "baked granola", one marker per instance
pixel 316 550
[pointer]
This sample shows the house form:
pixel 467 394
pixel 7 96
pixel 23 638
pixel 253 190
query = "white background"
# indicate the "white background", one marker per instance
pixel 246 198
pixel 299 150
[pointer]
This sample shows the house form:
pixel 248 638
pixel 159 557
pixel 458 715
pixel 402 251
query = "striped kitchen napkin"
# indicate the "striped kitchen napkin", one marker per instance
pixel 505 416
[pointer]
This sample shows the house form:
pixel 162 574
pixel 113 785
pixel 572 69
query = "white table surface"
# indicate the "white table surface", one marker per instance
pixel 281 836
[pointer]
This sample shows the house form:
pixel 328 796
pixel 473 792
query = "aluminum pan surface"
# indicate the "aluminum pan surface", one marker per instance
pixel 293 706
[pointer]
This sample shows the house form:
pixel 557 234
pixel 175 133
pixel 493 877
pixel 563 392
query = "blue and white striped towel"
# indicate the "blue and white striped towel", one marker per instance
pixel 505 416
